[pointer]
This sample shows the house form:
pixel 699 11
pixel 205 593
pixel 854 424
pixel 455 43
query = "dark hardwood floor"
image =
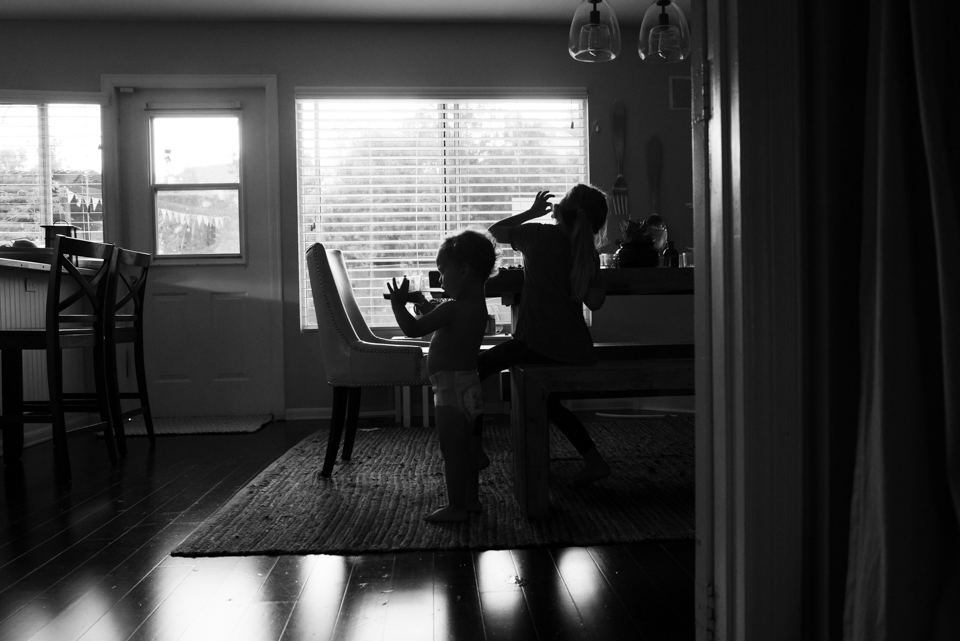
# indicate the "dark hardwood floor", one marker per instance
pixel 91 560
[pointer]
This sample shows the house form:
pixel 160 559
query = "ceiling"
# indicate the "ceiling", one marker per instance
pixel 628 12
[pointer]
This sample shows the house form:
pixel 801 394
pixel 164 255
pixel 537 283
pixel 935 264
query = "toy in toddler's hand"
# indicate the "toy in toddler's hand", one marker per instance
pixel 407 296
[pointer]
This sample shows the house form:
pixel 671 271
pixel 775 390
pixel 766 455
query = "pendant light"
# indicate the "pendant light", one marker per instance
pixel 664 34
pixel 594 33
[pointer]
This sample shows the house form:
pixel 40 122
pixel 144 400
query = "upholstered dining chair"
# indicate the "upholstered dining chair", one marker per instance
pixel 366 334
pixel 353 357
pixel 74 319
pixel 123 324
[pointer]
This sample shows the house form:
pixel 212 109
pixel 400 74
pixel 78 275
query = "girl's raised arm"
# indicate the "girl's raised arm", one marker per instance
pixel 541 207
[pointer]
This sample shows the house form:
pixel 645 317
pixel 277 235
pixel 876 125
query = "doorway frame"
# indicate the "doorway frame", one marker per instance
pixel 110 85
pixel 749 320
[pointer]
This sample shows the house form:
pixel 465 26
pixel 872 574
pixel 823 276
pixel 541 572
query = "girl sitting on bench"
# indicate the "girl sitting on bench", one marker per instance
pixel 561 272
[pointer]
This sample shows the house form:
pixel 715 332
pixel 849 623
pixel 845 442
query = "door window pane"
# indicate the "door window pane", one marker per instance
pixel 198 222
pixel 196 182
pixel 196 150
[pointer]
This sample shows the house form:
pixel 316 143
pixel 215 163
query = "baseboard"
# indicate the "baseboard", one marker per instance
pixel 667 404
pixel 592 404
pixel 324 413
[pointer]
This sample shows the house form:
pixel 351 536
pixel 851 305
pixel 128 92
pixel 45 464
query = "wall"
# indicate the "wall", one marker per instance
pixel 71 56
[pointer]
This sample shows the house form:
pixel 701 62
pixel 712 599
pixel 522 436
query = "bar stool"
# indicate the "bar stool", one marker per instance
pixel 74 319
pixel 123 324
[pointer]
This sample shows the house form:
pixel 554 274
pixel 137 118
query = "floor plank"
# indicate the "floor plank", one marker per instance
pixel 456 599
pixel 604 614
pixel 363 609
pixel 554 613
pixel 676 588
pixel 502 602
pixel 315 614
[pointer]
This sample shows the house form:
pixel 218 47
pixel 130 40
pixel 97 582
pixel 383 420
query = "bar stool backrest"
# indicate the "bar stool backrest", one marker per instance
pixel 128 287
pixel 75 298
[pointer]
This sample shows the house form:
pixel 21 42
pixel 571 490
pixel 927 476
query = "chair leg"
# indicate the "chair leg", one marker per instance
pixel 61 456
pixel 425 398
pixel 353 412
pixel 11 373
pixel 141 371
pixel 406 406
pixel 100 370
pixel 113 396
pixel 340 395
pixel 397 404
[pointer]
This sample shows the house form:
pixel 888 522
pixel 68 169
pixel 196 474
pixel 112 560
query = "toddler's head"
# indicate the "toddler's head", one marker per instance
pixel 473 248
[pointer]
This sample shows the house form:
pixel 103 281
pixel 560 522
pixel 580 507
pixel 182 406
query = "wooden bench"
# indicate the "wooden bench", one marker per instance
pixel 624 370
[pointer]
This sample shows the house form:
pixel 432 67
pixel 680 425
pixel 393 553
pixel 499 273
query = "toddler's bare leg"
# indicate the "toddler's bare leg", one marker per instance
pixel 483 461
pixel 454 433
pixel 473 479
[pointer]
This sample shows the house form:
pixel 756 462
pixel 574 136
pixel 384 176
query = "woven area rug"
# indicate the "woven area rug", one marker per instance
pixel 375 502
pixel 178 426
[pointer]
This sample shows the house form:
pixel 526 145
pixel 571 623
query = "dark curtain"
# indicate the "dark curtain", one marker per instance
pixel 903 578
pixel 834 57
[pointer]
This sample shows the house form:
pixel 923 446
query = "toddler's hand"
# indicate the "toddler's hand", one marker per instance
pixel 541 205
pixel 398 293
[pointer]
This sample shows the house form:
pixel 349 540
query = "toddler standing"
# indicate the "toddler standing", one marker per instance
pixel 465 261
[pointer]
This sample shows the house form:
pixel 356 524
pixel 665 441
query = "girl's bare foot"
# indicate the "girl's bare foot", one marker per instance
pixel 447 514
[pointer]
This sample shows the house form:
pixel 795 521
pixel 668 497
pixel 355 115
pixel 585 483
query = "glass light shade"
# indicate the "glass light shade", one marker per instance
pixel 594 32
pixel 664 34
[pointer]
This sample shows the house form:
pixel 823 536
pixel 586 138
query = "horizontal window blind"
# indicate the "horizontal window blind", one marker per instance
pixel 387 180
pixel 50 170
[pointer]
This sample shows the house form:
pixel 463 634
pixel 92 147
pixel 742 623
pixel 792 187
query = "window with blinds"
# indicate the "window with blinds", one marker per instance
pixel 386 180
pixel 50 170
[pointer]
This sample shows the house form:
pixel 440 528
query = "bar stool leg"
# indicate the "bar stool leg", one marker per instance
pixel 103 401
pixel 113 396
pixel 11 371
pixel 61 456
pixel 141 371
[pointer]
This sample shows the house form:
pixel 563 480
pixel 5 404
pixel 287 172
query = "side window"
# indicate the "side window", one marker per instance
pixel 50 170
pixel 195 179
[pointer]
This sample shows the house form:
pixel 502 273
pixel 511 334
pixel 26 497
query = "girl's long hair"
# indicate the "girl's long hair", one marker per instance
pixel 585 213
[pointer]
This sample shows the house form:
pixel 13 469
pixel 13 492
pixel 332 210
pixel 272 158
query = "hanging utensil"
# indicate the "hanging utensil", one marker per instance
pixel 653 173
pixel 657 228
pixel 618 116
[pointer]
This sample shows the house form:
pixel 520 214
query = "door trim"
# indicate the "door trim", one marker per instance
pixel 750 306
pixel 111 85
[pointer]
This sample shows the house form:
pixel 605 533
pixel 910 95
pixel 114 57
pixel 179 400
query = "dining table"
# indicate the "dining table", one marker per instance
pixel 507 284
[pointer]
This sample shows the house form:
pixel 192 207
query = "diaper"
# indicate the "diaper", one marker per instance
pixel 460 390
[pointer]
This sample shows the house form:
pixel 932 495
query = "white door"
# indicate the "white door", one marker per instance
pixel 193 172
